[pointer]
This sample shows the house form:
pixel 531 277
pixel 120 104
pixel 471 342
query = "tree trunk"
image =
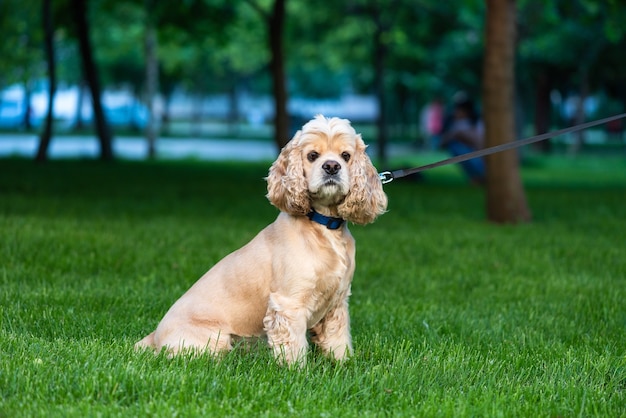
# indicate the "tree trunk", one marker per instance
pixel 28 110
pixel 152 81
pixel 233 108
pixel 543 109
pixel 46 134
pixel 380 53
pixel 79 124
pixel 197 114
pixel 276 23
pixel 506 200
pixel 579 114
pixel 165 116
pixel 91 75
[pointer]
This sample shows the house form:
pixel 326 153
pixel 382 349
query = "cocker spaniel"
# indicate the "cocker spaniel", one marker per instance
pixel 295 275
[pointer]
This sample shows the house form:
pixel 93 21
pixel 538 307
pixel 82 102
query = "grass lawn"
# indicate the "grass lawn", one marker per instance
pixel 451 316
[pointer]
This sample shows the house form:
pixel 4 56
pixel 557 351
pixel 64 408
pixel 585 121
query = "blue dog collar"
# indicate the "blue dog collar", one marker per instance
pixel 328 221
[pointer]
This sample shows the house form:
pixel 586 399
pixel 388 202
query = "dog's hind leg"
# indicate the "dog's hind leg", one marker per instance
pixel 146 342
pixel 194 340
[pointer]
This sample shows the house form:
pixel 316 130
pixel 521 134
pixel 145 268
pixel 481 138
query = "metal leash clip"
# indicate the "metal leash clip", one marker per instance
pixel 385 177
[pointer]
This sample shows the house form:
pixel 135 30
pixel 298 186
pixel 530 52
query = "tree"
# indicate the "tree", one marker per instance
pixel 568 46
pixel 275 23
pixel 91 75
pixel 379 18
pixel 20 49
pixel 46 134
pixel 152 76
pixel 506 200
pixel 380 58
pixel 156 46
pixel 403 52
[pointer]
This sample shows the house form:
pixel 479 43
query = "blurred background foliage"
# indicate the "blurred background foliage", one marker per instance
pixel 409 51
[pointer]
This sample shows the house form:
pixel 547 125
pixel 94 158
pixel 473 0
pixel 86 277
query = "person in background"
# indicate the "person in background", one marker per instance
pixel 463 133
pixel 433 122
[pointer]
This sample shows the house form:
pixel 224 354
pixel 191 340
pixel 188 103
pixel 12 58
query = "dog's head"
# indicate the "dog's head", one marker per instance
pixel 325 164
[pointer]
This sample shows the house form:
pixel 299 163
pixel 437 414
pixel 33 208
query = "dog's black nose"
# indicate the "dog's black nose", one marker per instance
pixel 331 167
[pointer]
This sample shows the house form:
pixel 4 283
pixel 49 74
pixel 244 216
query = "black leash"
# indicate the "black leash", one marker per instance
pixel 389 176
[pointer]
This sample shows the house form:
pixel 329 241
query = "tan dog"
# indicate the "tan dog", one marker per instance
pixel 295 275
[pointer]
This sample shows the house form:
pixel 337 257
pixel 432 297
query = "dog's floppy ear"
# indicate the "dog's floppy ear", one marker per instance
pixel 286 185
pixel 366 198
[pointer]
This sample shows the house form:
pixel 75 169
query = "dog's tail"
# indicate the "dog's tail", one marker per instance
pixel 147 342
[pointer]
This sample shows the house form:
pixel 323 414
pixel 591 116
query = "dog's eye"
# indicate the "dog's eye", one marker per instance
pixel 312 156
pixel 345 156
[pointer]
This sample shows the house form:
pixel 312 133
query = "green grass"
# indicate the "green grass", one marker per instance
pixel 451 315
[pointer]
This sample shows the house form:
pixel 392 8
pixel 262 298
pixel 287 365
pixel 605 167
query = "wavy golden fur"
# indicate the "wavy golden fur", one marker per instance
pixel 295 275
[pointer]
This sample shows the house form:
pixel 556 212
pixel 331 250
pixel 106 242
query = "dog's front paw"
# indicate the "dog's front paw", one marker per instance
pixel 287 337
